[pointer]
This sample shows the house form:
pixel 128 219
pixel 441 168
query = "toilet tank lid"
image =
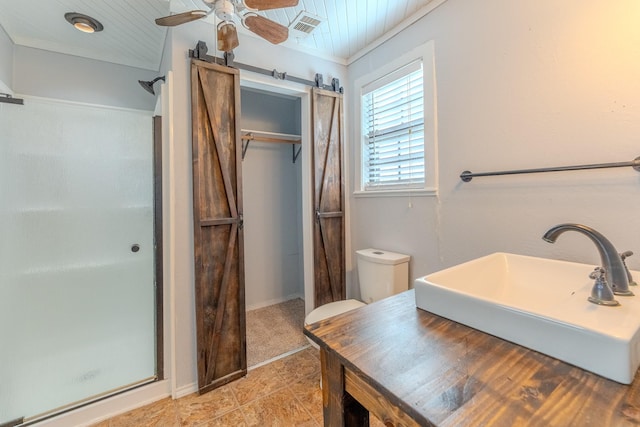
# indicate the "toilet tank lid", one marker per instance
pixel 382 257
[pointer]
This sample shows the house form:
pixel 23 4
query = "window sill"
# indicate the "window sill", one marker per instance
pixel 409 192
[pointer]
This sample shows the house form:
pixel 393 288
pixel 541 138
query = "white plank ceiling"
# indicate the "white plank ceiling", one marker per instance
pixel 349 26
pixel 131 37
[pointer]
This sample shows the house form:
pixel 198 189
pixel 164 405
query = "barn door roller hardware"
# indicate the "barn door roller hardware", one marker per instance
pixel 335 84
pixel 200 52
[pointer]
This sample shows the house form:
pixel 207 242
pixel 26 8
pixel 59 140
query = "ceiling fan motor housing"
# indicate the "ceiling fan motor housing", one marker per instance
pixel 224 10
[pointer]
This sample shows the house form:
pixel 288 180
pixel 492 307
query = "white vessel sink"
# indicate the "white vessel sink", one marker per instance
pixel 540 304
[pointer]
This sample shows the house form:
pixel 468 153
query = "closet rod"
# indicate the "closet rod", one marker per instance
pixel 467 176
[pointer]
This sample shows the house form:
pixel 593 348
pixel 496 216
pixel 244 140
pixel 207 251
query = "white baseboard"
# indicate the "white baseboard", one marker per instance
pixel 274 301
pixel 108 408
pixel 186 390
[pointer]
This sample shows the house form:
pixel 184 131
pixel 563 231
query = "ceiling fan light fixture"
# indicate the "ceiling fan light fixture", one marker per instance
pixel 83 23
pixel 227 36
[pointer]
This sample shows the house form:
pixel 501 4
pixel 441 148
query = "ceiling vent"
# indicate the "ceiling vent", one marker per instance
pixel 304 24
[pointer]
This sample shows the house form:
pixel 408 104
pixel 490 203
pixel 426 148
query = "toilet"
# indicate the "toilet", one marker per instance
pixel 381 274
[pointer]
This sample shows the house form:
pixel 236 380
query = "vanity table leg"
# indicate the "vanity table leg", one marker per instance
pixel 339 407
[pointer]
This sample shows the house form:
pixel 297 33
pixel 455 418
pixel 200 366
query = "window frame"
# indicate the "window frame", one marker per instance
pixel 425 54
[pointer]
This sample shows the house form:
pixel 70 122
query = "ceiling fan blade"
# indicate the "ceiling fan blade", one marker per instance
pixel 180 18
pixel 227 37
pixel 269 4
pixel 266 28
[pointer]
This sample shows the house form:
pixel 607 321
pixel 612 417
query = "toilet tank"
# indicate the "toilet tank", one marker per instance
pixel 382 273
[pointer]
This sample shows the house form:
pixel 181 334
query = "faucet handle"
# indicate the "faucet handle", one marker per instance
pixel 597 274
pixel 601 293
pixel 624 255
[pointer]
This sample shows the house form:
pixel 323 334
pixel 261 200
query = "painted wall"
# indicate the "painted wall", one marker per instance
pixel 251 51
pixel 6 61
pixel 270 112
pixel 54 75
pixel 519 85
pixel 271 200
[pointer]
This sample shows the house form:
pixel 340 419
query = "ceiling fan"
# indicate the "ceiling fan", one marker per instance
pixel 245 10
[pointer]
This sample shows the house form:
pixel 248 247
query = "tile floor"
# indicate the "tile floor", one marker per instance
pixel 282 393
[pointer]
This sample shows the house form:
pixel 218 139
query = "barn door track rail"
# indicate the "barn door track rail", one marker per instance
pixel 201 49
pixel 467 176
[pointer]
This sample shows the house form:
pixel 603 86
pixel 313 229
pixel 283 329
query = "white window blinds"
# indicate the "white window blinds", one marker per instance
pixel 393 127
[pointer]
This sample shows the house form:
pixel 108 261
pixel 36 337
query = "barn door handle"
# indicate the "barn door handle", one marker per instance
pixel 317 215
pixel 240 222
pixel 337 214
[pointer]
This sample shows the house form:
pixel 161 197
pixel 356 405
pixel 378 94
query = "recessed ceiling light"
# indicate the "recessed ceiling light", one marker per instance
pixel 84 23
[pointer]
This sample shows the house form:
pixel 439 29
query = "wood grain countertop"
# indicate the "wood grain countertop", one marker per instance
pixel 439 372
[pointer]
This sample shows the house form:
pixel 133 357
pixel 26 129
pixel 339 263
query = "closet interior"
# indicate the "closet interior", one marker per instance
pixel 272 200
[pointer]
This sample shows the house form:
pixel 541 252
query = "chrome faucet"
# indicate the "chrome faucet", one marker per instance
pixel 615 272
pixel 623 256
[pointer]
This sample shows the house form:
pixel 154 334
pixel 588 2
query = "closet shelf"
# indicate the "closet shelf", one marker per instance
pixel 257 135
pixel 248 135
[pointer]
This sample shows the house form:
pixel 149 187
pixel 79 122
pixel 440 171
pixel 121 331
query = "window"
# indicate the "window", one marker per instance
pixel 397 126
pixel 393 125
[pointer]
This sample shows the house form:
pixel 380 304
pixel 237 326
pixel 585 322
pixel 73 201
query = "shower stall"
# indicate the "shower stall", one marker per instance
pixel 78 298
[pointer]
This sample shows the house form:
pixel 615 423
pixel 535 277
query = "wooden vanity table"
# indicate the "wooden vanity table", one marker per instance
pixel 413 368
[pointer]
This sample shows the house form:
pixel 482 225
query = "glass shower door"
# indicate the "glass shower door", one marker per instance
pixel 77 293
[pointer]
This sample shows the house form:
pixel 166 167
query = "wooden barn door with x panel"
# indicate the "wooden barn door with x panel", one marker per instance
pixel 328 197
pixel 218 235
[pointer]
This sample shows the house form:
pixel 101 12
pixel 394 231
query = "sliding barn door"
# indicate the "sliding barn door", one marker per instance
pixel 329 228
pixel 217 200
